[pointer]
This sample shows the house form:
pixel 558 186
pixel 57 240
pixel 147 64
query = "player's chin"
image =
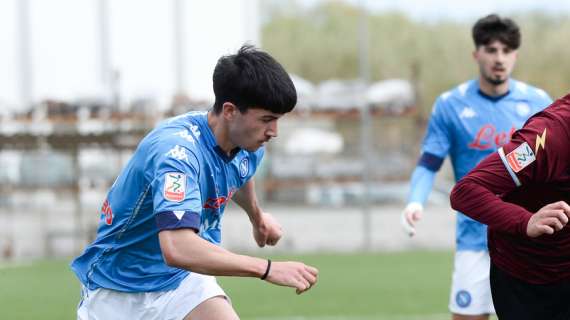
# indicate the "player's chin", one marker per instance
pixel 254 147
pixel 498 79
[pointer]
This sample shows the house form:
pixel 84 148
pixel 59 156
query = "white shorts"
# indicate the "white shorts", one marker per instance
pixel 104 304
pixel 470 287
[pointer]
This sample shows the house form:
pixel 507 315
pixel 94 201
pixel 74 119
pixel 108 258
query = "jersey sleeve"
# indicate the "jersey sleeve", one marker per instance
pixel 421 184
pixel 539 152
pixel 176 191
pixel 437 140
pixel 542 99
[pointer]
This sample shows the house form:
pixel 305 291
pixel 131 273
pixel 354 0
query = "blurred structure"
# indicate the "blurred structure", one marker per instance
pixel 84 102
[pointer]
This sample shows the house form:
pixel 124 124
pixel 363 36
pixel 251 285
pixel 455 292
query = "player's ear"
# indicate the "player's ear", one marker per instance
pixel 229 110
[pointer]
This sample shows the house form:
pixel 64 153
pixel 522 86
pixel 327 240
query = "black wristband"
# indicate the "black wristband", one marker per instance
pixel 264 276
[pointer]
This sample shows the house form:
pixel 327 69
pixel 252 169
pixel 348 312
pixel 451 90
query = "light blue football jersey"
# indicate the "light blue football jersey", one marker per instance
pixel 177 178
pixel 467 125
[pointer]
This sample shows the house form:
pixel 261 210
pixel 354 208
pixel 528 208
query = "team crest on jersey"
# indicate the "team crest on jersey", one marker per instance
pixel 523 109
pixel 521 157
pixel 463 298
pixel 244 167
pixel 174 186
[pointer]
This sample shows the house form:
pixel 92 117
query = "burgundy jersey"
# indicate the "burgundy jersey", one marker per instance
pixel 506 188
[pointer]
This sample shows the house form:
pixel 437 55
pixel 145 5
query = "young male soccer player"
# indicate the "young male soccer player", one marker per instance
pixel 157 246
pixel 468 123
pixel 529 240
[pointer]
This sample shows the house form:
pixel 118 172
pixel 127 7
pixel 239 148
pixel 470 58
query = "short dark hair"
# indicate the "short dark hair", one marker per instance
pixel 253 79
pixel 492 28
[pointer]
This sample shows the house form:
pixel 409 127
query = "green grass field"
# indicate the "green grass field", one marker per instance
pixel 398 286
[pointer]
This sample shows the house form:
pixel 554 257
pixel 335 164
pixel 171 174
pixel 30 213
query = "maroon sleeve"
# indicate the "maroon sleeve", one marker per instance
pixel 538 153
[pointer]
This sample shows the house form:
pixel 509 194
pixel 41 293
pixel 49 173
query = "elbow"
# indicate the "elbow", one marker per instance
pixel 170 256
pixel 456 196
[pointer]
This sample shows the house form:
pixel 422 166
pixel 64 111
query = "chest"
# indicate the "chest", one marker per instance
pixel 219 180
pixel 487 125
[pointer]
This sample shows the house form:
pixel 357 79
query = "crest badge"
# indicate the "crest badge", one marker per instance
pixel 174 186
pixel 521 157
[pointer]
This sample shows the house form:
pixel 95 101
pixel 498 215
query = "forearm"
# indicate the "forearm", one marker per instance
pixel 473 198
pixel 246 198
pixel 420 185
pixel 186 250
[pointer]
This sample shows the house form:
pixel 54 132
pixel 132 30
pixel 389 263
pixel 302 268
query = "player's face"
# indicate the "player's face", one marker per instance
pixel 252 129
pixel 496 62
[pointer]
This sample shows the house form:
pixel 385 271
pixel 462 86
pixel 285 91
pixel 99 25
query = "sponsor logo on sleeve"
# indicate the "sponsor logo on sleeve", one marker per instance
pixel 174 186
pixel 195 130
pixel 177 153
pixel 540 141
pixel 244 167
pixel 184 134
pixel 521 157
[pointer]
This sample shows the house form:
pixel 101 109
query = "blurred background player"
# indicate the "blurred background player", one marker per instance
pixel 157 246
pixel 468 123
pixel 529 239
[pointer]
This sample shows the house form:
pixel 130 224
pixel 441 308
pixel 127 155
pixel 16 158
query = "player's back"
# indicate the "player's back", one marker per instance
pixel 127 245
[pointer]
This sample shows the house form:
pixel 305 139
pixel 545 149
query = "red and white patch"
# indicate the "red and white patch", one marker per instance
pixel 174 186
pixel 106 210
pixel 521 157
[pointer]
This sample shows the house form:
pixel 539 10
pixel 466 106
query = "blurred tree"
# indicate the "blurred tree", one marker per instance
pixel 321 43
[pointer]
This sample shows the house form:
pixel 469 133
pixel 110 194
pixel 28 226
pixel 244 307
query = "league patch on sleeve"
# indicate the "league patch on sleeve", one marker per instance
pixel 174 186
pixel 521 157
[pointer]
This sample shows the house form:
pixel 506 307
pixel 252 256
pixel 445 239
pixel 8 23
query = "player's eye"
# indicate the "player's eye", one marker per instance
pixel 267 119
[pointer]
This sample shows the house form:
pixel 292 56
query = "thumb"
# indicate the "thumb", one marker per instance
pixel 260 238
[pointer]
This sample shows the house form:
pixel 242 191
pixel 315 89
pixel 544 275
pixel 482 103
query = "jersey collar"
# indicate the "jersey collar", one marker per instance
pixel 211 141
pixel 494 98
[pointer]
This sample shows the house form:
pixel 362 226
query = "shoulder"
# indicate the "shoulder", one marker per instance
pixel 183 130
pixel 453 98
pixel 531 93
pixel 560 110
pixel 179 139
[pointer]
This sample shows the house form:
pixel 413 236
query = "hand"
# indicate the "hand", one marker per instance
pixel 266 230
pixel 549 219
pixel 410 215
pixel 293 274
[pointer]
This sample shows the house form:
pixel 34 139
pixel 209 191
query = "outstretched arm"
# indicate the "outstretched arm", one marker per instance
pixel 184 249
pixel 435 147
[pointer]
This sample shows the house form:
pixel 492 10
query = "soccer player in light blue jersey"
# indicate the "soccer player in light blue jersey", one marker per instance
pixel 468 123
pixel 157 247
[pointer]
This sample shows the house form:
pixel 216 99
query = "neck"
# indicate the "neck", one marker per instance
pixel 493 90
pixel 220 130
